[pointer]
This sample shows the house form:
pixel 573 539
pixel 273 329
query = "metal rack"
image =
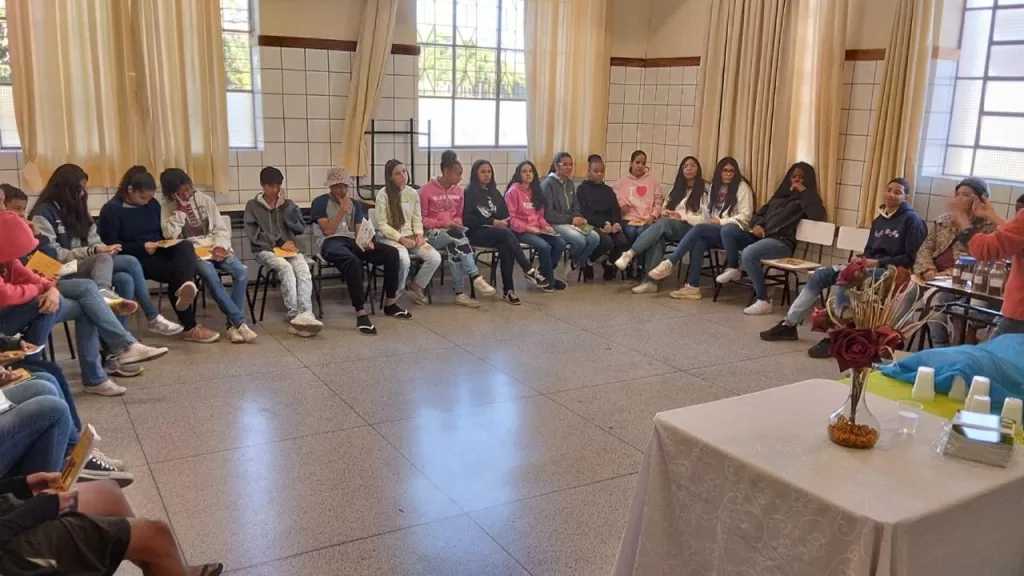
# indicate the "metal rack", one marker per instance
pixel 412 133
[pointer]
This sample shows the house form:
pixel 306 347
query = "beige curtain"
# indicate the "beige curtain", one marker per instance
pixel 567 79
pixel 372 52
pixel 111 83
pixel 892 151
pixel 818 50
pixel 741 71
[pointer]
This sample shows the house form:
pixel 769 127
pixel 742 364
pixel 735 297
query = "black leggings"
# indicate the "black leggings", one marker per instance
pixel 509 251
pixel 343 254
pixel 173 266
pixel 613 245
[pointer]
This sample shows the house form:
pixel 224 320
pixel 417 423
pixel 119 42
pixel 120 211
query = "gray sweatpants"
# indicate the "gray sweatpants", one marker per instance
pixel 99 268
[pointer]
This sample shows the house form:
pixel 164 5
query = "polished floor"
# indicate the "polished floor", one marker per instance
pixel 497 441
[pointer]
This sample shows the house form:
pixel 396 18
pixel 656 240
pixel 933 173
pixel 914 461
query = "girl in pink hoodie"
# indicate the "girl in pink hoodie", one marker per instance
pixel 28 302
pixel 639 195
pixel 525 202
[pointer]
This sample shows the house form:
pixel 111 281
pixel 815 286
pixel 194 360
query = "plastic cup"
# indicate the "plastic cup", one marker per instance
pixel 980 404
pixel 958 391
pixel 907 415
pixel 1013 409
pixel 924 385
pixel 980 386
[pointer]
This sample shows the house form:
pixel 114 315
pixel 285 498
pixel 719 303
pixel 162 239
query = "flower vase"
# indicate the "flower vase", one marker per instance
pixel 853 425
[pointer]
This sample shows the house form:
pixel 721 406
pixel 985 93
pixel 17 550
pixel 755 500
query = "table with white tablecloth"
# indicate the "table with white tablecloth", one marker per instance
pixel 752 486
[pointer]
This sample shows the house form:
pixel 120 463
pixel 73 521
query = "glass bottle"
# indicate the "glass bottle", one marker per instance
pixel 979 283
pixel 996 279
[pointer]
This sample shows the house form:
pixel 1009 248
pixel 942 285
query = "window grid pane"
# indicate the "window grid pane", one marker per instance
pixel 236 30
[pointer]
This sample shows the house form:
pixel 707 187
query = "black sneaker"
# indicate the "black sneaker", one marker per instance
pixel 820 350
pixel 96 469
pixel 511 298
pixel 534 277
pixel 560 284
pixel 588 273
pixel 547 288
pixel 780 331
pixel 609 272
pixel 365 326
pixel 396 311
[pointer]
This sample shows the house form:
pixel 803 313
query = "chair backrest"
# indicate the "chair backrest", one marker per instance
pixel 852 238
pixel 814 232
pixel 226 220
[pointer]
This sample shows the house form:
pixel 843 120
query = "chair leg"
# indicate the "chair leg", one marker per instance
pixel 67 335
pixel 255 294
pixel 318 286
pixel 266 288
pixel 49 344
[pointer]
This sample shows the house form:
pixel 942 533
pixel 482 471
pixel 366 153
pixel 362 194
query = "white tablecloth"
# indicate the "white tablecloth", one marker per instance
pixel 752 486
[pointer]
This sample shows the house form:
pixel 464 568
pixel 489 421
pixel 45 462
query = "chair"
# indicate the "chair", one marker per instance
pixel 852 240
pixel 267 276
pixel 53 351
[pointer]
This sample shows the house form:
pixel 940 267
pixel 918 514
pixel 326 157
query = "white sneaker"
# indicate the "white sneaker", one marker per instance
pixel 729 275
pixel 623 262
pixel 164 327
pixel 465 300
pixel 661 271
pixel 185 295
pixel 686 292
pixel 759 308
pixel 306 322
pixel 645 288
pixel 235 336
pixel 247 334
pixel 118 305
pixel 482 287
pixel 107 388
pixel 300 333
pixel 119 465
pixel 417 296
pixel 139 352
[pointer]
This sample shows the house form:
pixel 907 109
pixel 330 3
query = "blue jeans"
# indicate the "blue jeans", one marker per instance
pixel 549 249
pixel 754 254
pixel 129 282
pixel 633 232
pixel 461 259
pixel 817 282
pixel 695 242
pixel 37 432
pixel 581 245
pixel 49 371
pixel 232 306
pixel 94 321
pixel 26 320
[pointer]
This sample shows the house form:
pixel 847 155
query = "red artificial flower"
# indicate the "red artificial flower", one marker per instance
pixel 852 274
pixel 853 348
pixel 820 320
pixel 887 338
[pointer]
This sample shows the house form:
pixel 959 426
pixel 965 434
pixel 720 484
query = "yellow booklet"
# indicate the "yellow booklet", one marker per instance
pixel 167 243
pixel 79 456
pixel 44 265
pixel 204 252
pixel 284 253
pixel 22 376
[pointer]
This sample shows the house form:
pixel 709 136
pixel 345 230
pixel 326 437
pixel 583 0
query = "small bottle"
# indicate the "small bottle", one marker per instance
pixel 996 279
pixel 958 273
pixel 980 282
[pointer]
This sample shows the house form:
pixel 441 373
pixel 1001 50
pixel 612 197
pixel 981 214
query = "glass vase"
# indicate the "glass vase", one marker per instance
pixel 853 425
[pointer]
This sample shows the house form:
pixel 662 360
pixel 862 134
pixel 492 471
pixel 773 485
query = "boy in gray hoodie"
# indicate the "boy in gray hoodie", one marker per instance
pixel 563 211
pixel 272 224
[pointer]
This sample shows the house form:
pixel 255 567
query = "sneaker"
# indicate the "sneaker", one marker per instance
pixel 534 277
pixel 588 273
pixel 417 296
pixel 364 326
pixel 306 322
pixel 780 331
pixel 464 300
pixel 729 275
pixel 114 368
pixel 96 469
pixel 139 352
pixel 600 259
pixel 201 334
pixel 118 305
pixel 300 333
pixel 235 336
pixel 185 295
pixel 107 388
pixel 511 298
pixel 547 289
pixel 396 311
pixel 759 308
pixel 623 262
pixel 114 463
pixel 661 271
pixel 609 272
pixel 821 349
pixel 247 333
pixel 645 288
pixel 560 284
pixel 686 292
pixel 482 287
pixel 164 327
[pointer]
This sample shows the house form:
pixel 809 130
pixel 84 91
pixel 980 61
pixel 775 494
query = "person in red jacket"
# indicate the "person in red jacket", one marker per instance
pixel 1006 242
pixel 28 302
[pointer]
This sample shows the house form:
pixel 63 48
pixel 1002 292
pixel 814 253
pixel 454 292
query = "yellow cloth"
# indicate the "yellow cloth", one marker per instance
pixel 896 390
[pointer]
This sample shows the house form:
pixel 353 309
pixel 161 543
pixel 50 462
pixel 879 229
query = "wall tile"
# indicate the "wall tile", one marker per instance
pixel 293 82
pixel 317 83
pixel 270 57
pixel 338 61
pixel 293 59
pixel 316 60
pixel 318 107
pixel 294 106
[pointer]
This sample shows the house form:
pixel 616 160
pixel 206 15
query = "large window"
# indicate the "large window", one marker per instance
pixel 236 22
pixel 986 131
pixel 472 84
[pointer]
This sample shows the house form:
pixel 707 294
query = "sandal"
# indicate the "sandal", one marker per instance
pixel 395 311
pixel 214 569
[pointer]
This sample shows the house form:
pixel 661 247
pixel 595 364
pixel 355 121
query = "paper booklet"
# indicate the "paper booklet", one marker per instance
pixel 284 253
pixel 43 265
pixel 366 233
pixel 204 252
pixel 167 243
pixel 22 375
pixel 79 456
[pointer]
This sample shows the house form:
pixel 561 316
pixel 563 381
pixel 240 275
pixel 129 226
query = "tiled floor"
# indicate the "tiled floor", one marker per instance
pixel 498 441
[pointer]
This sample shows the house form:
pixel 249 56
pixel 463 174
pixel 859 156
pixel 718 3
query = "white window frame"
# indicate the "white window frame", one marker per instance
pixel 250 35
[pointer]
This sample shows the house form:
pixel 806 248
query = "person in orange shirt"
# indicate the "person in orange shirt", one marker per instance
pixel 1006 242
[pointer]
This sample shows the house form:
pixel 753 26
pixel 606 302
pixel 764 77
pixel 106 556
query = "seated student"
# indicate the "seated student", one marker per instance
pixel 441 202
pixel 400 221
pixel 945 244
pixel 486 216
pixel 526 207
pixel 639 194
pixel 896 235
pixel 338 218
pixel 1019 204
pixel 38 432
pixel 682 209
pixel 189 214
pixel 563 211
pixel 728 202
pixel 132 219
pixel 1007 241
pixel 273 221
pixel 87 531
pixel 600 207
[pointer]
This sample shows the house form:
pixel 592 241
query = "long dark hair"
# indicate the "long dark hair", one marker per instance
pixel 810 178
pixel 556 162
pixel 733 187
pixel 474 179
pixel 136 178
pixel 64 190
pixel 678 193
pixel 396 218
pixel 536 194
pixel 632 158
